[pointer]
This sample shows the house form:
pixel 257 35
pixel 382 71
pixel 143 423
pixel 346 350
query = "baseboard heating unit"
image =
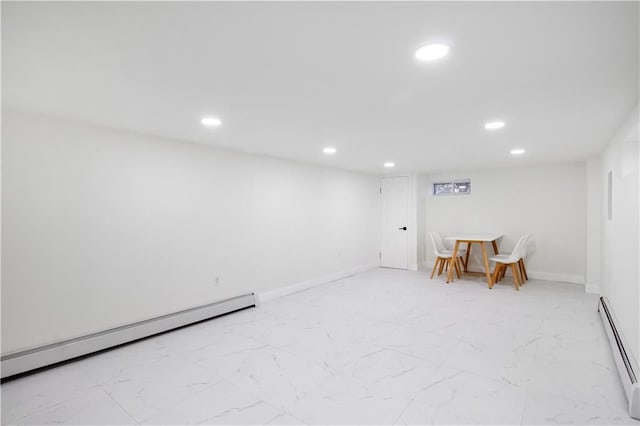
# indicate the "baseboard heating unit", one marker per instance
pixel 30 359
pixel 627 367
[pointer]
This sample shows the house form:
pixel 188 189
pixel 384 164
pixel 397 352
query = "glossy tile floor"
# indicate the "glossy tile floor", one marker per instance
pixel 381 347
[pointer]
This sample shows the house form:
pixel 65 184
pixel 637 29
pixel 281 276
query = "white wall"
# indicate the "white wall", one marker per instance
pixel 619 267
pixel 547 201
pixel 102 228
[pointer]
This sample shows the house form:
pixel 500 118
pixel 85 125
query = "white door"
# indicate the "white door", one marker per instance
pixel 394 208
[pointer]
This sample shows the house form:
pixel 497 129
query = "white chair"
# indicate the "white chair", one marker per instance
pixel 443 248
pixel 511 260
pixel 443 255
pixel 521 267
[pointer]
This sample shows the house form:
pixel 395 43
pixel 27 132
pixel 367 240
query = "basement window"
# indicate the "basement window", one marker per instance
pixel 455 187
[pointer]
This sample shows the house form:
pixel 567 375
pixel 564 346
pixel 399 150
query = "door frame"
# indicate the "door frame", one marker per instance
pixel 408 201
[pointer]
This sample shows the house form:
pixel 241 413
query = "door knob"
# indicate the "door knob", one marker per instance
pixel 404 228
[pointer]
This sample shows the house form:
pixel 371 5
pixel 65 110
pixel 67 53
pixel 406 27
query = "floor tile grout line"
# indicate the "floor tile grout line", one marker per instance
pixel 134 420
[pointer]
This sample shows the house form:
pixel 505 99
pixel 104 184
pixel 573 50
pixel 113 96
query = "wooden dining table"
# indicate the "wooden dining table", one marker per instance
pixel 469 239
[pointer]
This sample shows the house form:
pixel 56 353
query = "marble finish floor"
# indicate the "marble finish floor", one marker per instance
pixel 381 347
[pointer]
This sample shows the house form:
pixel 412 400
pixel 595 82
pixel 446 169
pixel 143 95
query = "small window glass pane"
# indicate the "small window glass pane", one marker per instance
pixel 462 187
pixel 442 188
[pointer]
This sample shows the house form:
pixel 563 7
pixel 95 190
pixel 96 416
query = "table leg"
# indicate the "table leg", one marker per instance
pixel 495 246
pixel 454 255
pixel 466 258
pixel 486 265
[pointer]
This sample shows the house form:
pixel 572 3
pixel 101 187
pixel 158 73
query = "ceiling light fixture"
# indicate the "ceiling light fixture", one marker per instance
pixel 431 52
pixel 329 150
pixel 389 164
pixel 494 125
pixel 211 121
pixel 517 151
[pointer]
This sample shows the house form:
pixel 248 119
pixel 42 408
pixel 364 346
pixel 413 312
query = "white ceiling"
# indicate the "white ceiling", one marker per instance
pixel 289 78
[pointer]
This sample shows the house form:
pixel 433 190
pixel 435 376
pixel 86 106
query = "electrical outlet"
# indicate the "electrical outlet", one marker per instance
pixel 216 282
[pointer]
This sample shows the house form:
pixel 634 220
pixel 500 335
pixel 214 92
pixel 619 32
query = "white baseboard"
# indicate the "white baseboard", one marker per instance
pixel 592 288
pixel 266 296
pixel 413 267
pixel 552 276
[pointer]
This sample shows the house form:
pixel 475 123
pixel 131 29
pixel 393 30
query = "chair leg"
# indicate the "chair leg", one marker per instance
pixel 442 264
pixel 435 265
pixel 524 270
pixel 516 279
pixel 455 264
pixel 496 271
pixel 520 277
pixel 521 274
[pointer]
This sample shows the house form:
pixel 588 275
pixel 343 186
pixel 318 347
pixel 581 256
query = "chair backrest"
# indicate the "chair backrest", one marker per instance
pixel 439 243
pixel 523 253
pixel 520 250
pixel 438 247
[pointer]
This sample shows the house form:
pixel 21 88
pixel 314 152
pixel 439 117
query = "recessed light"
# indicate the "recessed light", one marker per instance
pixel 518 151
pixel 211 121
pixel 432 52
pixel 494 125
pixel 389 164
pixel 329 150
